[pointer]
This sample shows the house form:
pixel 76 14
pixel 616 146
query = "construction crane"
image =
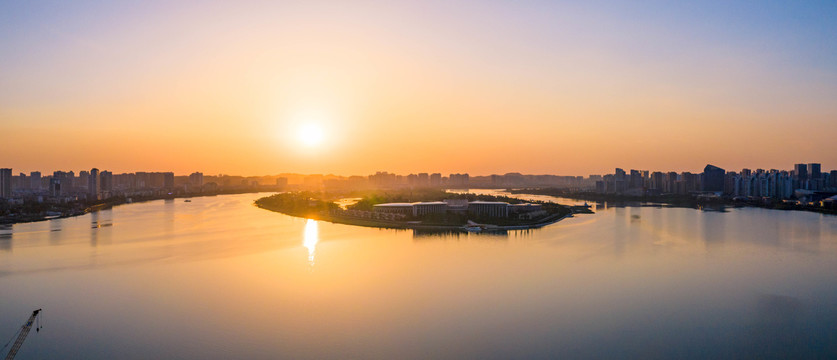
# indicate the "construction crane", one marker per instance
pixel 23 332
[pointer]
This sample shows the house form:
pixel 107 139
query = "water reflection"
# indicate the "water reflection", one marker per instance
pixel 777 329
pixel 430 234
pixel 556 292
pixel 100 222
pixel 310 239
pixel 714 228
pixel 55 227
pixel 6 237
pixel 445 234
pixel 168 217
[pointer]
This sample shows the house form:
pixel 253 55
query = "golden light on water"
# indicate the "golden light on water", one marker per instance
pixel 310 239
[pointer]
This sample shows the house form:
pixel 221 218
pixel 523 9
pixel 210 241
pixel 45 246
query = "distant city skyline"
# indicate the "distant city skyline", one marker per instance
pixel 698 169
pixel 806 185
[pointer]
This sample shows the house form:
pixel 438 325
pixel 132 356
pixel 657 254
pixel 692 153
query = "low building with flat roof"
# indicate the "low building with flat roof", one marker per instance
pixel 431 207
pixel 489 208
pixel 524 208
pixel 414 209
pixel 395 208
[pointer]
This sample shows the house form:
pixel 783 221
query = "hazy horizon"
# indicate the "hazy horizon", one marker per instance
pixel 476 87
pixel 445 174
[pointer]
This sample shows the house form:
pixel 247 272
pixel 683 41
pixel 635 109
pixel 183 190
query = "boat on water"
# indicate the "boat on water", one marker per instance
pixel 187 200
pixel 473 227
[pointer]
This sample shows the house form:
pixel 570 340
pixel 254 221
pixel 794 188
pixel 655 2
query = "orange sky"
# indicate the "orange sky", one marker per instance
pixel 479 88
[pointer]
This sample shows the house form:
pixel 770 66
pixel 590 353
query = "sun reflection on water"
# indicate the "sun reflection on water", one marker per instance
pixel 310 239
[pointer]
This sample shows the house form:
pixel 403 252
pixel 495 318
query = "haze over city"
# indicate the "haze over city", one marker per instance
pixel 352 88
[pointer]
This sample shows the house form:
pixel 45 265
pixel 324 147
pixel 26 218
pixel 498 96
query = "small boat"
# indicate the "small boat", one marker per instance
pixel 472 228
pixel 187 200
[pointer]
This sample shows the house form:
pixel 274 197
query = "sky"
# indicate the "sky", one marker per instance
pixel 354 87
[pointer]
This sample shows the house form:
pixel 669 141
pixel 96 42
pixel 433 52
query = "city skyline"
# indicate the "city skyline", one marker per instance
pixel 356 88
pixel 16 171
pixel 805 187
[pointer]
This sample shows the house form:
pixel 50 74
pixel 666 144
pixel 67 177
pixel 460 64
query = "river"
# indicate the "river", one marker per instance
pixel 218 278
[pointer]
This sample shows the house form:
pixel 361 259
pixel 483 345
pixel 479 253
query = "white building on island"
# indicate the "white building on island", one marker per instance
pixel 477 208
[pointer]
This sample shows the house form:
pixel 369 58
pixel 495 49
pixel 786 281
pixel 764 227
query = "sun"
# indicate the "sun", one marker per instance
pixel 311 134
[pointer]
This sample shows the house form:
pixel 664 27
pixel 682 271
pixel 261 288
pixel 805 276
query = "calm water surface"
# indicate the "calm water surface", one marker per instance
pixel 218 278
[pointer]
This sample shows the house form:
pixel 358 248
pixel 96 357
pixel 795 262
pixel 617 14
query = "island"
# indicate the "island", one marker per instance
pixel 418 209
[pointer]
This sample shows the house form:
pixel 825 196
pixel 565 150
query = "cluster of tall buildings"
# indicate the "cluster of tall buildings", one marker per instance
pixel 90 184
pixel 803 180
pixel 63 186
pixel 384 179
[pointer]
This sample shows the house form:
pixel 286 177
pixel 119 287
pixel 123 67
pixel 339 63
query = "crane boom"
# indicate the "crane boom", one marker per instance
pixel 23 332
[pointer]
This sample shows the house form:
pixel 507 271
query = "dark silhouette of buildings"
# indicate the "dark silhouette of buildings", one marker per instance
pixel 6 183
pixel 713 178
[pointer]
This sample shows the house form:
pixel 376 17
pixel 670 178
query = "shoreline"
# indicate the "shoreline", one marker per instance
pixel 672 201
pixel 120 201
pixel 384 224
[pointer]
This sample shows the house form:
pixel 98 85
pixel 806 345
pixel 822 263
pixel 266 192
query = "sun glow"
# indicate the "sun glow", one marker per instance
pixel 310 134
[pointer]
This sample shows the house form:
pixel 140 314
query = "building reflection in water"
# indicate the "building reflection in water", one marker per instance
pixel 6 237
pixel 55 227
pixel 94 226
pixel 168 217
pixel 454 234
pixel 310 239
pixel 713 228
pixel 100 222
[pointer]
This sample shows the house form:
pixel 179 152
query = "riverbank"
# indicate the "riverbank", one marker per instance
pixel 387 224
pixel 672 200
pixel 306 206
pixel 82 208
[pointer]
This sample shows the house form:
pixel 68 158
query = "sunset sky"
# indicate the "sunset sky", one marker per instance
pixel 345 87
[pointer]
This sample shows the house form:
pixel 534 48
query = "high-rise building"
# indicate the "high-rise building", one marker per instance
pixel 424 179
pixel 619 174
pixel 83 178
pixel 142 180
pixel 168 180
pixel 196 178
pixel 458 180
pixel 55 186
pixel 93 183
pixel 65 178
pixel 691 182
pixel 657 181
pixel 22 182
pixel 636 179
pixel 800 172
pixel 814 171
pixel 35 180
pixel 730 185
pixel 435 179
pixel 713 178
pixel 106 181
pixel 5 183
pixel 282 181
